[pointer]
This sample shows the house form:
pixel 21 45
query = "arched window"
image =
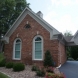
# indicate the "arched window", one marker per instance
pixel 17 49
pixel 38 48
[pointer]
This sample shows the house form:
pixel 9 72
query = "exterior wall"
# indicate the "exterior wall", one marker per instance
pixel 62 53
pixel 27 35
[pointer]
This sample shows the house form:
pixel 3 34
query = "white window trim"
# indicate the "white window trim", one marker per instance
pixel 33 53
pixel 14 49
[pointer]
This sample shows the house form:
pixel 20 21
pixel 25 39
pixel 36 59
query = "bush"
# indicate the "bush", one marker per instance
pixel 9 65
pixel 50 70
pixel 34 68
pixel 48 61
pixel 40 73
pixel 1 56
pixel 52 75
pixel 18 67
pixel 2 62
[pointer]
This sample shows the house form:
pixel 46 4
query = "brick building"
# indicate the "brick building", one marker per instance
pixel 31 36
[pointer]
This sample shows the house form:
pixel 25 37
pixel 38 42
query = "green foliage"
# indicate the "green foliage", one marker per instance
pixel 74 52
pixel 68 51
pixel 50 69
pixel 67 33
pixel 52 75
pixel 18 67
pixel 2 62
pixel 48 61
pixel 3 75
pixel 6 11
pixel 1 56
pixel 40 73
pixel 9 11
pixel 34 68
pixel 9 65
pixel 68 48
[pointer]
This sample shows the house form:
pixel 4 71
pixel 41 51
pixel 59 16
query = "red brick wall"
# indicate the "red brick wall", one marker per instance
pixel 62 53
pixel 27 35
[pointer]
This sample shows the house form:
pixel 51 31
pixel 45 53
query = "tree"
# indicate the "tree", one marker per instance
pixel 67 33
pixel 48 61
pixel 74 52
pixel 9 11
pixel 68 48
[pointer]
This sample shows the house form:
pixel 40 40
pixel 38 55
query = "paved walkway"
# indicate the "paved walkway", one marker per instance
pixel 70 69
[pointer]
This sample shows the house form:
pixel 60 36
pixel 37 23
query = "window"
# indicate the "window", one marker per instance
pixel 17 49
pixel 38 48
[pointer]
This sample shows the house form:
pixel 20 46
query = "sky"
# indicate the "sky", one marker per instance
pixel 61 14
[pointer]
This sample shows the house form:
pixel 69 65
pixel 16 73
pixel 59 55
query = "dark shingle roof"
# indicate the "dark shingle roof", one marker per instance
pixel 68 38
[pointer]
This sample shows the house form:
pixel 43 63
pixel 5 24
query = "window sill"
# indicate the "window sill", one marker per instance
pixel 37 59
pixel 16 59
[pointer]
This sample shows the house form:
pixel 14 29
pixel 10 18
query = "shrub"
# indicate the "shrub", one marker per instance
pixel 34 68
pixel 1 56
pixel 50 69
pixel 48 61
pixel 52 75
pixel 40 73
pixel 2 62
pixel 9 65
pixel 18 67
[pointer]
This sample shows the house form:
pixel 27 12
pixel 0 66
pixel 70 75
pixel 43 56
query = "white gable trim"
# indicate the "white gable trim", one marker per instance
pixel 26 11
pixel 16 23
pixel 74 36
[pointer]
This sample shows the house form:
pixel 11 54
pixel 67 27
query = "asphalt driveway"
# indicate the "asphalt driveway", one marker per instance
pixel 70 69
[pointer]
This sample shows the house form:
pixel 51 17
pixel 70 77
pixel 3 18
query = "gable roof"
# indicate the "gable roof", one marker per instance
pixel 68 38
pixel 74 36
pixel 54 33
pixel 26 11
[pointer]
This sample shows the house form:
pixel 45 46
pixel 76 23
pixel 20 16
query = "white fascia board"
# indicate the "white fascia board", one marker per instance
pixel 26 11
pixel 47 24
pixel 44 24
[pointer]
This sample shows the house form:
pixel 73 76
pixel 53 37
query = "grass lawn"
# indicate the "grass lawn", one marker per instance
pixel 3 75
